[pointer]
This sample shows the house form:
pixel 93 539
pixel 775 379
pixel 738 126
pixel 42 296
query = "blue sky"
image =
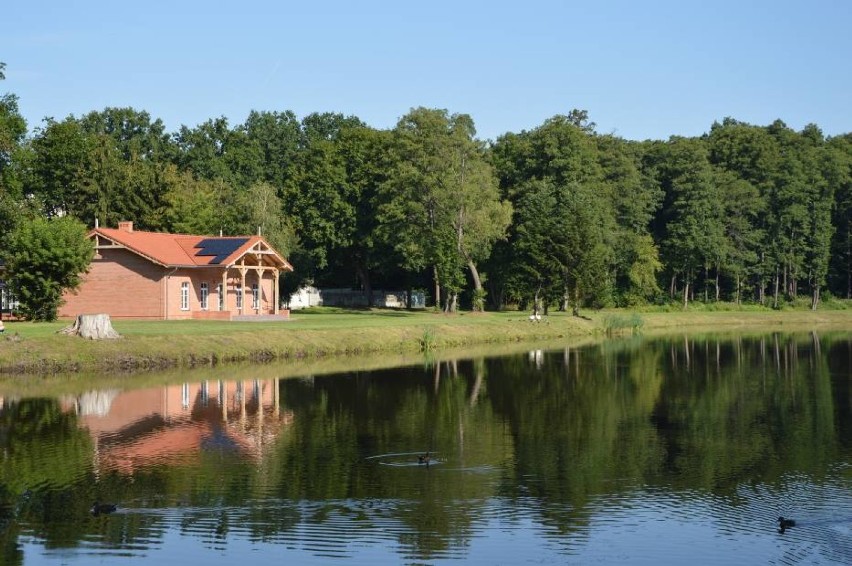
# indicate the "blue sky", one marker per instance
pixel 642 69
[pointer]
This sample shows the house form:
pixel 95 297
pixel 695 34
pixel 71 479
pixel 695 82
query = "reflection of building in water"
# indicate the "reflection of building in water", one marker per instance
pixel 181 422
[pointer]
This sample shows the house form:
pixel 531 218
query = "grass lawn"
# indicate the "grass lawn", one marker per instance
pixel 37 348
pixel 323 332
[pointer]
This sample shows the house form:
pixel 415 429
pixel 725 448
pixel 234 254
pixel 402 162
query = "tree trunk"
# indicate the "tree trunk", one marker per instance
pixel 92 327
pixel 364 276
pixel 437 287
pixel 685 294
pixel 478 299
pixel 815 299
pixel 717 283
pixel 775 296
pixel 453 302
pixel 535 302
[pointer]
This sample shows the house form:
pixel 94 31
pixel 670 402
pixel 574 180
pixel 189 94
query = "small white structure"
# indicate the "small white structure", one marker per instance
pixel 303 298
pixel 310 296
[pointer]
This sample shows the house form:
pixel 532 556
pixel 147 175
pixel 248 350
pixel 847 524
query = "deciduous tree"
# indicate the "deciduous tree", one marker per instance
pixel 44 258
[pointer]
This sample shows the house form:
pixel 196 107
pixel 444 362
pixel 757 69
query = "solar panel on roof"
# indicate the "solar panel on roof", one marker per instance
pixel 219 247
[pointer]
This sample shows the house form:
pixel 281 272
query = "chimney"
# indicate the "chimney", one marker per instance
pixel 126 226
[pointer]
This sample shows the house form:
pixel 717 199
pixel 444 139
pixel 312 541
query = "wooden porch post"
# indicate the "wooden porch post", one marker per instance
pixel 224 296
pixel 259 290
pixel 275 275
pixel 243 289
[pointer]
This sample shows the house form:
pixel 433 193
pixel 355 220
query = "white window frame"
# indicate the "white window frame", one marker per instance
pixel 220 292
pixel 239 290
pixel 255 296
pixel 205 296
pixel 184 296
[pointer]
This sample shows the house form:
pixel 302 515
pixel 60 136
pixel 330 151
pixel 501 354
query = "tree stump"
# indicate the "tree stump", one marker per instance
pixel 92 327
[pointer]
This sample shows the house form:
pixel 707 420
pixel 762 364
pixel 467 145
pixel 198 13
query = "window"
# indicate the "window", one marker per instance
pixel 184 296
pixel 205 294
pixel 255 296
pixel 221 297
pixel 239 297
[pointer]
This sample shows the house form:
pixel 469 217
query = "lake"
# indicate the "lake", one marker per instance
pixel 631 451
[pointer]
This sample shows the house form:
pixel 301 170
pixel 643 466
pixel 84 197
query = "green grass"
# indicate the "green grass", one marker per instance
pixel 37 348
pixel 325 332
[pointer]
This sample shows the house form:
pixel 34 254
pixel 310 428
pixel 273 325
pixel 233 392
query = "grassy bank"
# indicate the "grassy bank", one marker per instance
pixel 29 348
pixel 37 348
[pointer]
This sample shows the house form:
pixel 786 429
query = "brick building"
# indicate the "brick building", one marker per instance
pixel 153 275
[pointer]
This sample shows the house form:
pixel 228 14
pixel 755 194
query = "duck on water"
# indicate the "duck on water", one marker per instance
pixel 102 508
pixel 785 523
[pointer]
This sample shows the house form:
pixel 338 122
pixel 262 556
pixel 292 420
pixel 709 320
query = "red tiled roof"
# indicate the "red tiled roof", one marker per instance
pixel 179 250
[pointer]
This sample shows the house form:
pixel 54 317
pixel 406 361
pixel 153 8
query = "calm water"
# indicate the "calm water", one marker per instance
pixel 634 451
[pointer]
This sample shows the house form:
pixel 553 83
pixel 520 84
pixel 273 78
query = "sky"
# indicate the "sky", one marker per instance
pixel 643 69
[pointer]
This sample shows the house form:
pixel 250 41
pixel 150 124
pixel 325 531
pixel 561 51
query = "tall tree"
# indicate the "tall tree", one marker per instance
pixel 265 214
pixel 694 240
pixel 635 199
pixel 13 128
pixel 841 254
pixel 750 154
pixel 562 158
pixel 59 151
pixel 440 205
pixel 743 238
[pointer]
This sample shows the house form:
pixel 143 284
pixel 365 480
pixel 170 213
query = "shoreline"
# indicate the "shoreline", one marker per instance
pixel 36 349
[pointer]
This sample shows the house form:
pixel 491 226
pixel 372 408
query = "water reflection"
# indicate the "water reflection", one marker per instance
pixel 178 423
pixel 640 451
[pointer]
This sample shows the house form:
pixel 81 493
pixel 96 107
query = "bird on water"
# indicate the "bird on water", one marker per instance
pixel 102 508
pixel 785 523
pixel 424 459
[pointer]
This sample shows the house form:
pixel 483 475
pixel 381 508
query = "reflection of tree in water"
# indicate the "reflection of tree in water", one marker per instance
pixel 44 472
pixel 43 446
pixel 341 420
pixel 742 408
pixel 10 550
pixel 697 413
pixel 579 423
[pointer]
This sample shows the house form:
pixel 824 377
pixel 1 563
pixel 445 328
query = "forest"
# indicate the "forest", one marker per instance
pixel 560 216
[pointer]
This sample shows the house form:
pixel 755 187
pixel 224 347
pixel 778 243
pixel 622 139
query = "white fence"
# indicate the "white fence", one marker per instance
pixel 312 297
pixel 8 302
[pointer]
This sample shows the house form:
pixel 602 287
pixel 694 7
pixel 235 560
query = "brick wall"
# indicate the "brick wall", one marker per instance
pixel 120 284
